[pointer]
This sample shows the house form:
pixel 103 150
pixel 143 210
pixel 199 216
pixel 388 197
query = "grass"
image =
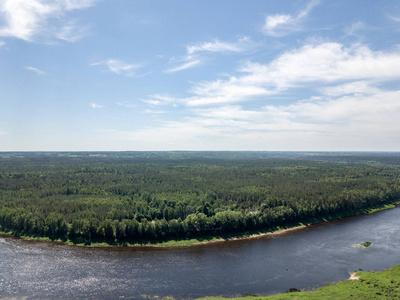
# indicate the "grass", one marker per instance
pixel 362 245
pixel 380 285
pixel 209 238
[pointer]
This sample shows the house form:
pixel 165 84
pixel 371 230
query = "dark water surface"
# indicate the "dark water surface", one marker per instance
pixel 300 259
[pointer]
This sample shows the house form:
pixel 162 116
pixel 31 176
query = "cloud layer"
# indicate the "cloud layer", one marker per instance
pixel 347 110
pixel 312 64
pixel 343 123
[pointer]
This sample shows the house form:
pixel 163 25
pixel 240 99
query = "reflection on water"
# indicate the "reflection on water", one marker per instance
pixel 300 259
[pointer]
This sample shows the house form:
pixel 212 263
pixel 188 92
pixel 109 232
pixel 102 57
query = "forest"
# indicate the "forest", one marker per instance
pixel 118 197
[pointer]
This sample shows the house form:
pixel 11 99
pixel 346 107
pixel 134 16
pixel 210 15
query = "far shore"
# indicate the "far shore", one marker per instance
pixel 166 244
pixel 248 235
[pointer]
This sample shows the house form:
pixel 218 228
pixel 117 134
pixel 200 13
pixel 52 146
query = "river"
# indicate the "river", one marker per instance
pixel 302 259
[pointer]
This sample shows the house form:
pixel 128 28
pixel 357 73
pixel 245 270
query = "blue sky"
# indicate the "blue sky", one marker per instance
pixel 199 75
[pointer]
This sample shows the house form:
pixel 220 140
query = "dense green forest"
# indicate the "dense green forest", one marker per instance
pixel 130 196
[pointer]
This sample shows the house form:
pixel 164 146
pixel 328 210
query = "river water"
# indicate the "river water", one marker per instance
pixel 302 259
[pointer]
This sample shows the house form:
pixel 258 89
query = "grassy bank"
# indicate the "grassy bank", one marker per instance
pixel 210 239
pixel 365 285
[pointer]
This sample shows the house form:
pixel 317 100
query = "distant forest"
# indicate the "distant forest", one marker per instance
pixel 132 196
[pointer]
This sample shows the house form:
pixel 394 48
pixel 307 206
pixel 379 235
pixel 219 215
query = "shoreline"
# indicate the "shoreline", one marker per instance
pixel 163 244
pixel 282 231
pixel 247 235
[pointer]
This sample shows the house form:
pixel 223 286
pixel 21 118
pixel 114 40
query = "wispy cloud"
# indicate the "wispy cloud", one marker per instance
pixel 351 88
pixel 72 32
pixel 77 4
pixel 40 19
pixel 36 70
pixel 2 44
pixel 355 28
pixel 190 62
pixel 282 24
pixel 151 111
pixel 128 105
pixel 3 132
pixel 229 112
pixel 158 99
pixel 241 45
pixel 96 105
pixel 118 67
pixel 394 18
pixel 195 54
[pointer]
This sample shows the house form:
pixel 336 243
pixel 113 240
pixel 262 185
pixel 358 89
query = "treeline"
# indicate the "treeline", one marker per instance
pixel 88 199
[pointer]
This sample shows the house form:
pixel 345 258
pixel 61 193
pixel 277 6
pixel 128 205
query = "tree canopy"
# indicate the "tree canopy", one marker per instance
pixel 176 195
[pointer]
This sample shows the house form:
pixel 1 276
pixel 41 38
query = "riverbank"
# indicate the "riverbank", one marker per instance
pixel 360 285
pixel 253 234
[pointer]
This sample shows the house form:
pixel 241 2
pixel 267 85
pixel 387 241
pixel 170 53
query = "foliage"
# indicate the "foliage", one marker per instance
pixel 362 245
pixel 118 198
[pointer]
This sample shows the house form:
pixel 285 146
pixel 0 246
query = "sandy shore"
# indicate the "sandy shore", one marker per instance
pixel 253 236
pixel 353 276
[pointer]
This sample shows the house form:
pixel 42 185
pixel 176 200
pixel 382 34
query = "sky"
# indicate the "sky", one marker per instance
pixel 128 75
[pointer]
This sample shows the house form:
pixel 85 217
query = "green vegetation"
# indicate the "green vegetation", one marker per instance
pixel 362 245
pixel 369 285
pixel 182 198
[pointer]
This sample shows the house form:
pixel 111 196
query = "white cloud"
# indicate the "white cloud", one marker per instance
pixel 355 27
pixel 282 24
pixel 31 19
pixel 72 32
pixel 325 63
pixel 329 62
pixel 229 91
pixel 128 105
pixel 351 122
pixel 310 5
pixel 229 112
pixel 151 111
pixel 380 108
pixel 77 4
pixel 195 53
pixel 190 63
pixel 396 19
pixel 2 44
pixel 271 22
pixel 152 101
pixel 348 112
pixel 158 99
pixel 118 67
pixel 95 105
pixel 217 46
pixel 356 87
pixel 244 120
pixel 36 70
